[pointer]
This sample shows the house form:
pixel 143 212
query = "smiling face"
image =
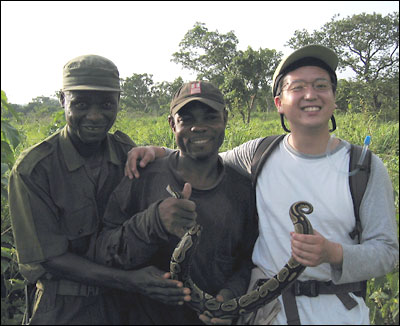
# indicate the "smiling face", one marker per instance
pixel 199 130
pixel 90 114
pixel 307 99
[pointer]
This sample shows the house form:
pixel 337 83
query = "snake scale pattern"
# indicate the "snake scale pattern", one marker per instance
pixel 203 302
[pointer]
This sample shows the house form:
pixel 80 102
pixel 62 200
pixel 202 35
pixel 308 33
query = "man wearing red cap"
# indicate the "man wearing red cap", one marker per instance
pixel 143 223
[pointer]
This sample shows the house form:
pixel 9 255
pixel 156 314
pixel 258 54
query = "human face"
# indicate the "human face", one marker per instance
pixel 90 114
pixel 199 130
pixel 309 108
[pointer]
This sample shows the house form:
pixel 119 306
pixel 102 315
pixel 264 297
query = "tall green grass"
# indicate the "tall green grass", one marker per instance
pixel 155 130
pixel 383 292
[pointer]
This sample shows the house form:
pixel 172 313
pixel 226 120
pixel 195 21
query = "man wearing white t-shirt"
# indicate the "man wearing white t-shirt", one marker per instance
pixel 311 165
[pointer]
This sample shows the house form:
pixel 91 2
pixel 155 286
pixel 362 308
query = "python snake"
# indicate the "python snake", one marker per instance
pixel 205 303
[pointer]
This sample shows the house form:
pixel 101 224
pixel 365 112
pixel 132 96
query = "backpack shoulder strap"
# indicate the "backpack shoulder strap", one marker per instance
pixel 358 183
pixel 261 154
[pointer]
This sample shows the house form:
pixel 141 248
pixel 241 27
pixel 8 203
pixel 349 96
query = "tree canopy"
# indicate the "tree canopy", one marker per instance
pixel 368 44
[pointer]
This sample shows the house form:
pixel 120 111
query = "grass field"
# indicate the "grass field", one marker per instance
pixel 383 292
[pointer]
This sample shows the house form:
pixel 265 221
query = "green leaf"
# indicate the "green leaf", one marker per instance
pixel 6 252
pixel 4 168
pixel 11 134
pixel 7 154
pixel 16 284
pixel 379 282
pixel 5 264
pixel 6 107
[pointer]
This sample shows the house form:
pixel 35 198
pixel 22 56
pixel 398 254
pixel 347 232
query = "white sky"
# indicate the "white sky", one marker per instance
pixel 39 37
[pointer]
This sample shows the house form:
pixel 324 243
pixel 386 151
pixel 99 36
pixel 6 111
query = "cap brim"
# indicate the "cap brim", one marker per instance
pixel 91 88
pixel 213 104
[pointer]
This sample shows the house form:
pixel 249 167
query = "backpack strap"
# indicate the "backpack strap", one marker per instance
pixel 358 184
pixel 261 154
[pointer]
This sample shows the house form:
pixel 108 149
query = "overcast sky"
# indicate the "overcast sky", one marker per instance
pixel 39 37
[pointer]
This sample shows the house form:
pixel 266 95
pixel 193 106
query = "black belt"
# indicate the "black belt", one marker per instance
pixel 315 288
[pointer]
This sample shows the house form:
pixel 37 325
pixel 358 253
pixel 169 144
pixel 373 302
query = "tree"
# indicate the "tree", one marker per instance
pixel 207 53
pixel 137 93
pixel 140 93
pixel 164 92
pixel 248 77
pixel 368 44
pixel 241 75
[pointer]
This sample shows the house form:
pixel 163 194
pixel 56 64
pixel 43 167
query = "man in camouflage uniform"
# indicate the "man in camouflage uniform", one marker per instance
pixel 58 191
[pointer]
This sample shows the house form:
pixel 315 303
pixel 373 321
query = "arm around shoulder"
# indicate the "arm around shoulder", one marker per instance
pixel 240 157
pixel 141 156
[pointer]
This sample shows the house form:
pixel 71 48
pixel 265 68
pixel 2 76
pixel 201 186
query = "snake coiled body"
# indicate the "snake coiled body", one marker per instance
pixel 203 302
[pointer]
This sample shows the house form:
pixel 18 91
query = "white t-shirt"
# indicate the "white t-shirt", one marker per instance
pixel 289 176
pixel 316 181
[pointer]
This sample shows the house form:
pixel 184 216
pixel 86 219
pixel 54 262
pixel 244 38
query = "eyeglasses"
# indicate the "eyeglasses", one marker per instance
pixel 319 85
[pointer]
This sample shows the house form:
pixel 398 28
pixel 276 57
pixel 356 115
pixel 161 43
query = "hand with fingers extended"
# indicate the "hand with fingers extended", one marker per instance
pixel 141 156
pixel 206 317
pixel 156 284
pixel 178 215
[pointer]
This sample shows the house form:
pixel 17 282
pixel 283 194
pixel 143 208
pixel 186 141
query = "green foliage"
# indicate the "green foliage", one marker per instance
pixel 12 284
pixel 41 106
pixel 351 97
pixel 141 94
pixel 58 121
pixel 137 92
pixel 144 129
pixel 383 298
pixel 10 139
pixel 242 76
pixel 208 53
pixel 247 79
pixel 368 44
pixel 12 298
pixel 382 295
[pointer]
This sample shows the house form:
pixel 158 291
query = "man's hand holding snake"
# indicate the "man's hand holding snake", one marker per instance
pixel 222 296
pixel 314 249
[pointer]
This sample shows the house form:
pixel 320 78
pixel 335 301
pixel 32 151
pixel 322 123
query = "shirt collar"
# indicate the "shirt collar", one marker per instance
pixel 74 160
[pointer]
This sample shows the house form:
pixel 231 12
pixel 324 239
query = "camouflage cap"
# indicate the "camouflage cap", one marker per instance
pixel 202 91
pixel 91 72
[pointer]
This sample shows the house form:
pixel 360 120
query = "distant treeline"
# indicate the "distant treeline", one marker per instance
pixel 367 44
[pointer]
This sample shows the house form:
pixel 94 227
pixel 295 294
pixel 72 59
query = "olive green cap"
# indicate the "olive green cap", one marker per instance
pixel 201 91
pixel 318 53
pixel 91 72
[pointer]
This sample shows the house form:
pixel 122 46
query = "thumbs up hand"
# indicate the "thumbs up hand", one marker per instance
pixel 187 190
pixel 178 214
